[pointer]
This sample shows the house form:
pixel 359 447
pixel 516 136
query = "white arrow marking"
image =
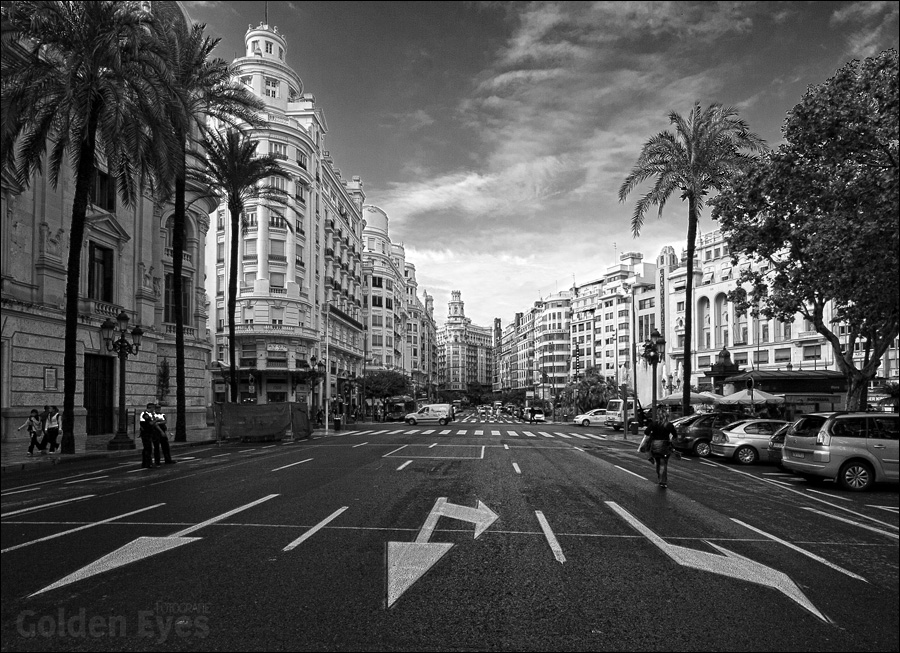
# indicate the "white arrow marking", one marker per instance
pixel 142 548
pixel 407 562
pixel 729 564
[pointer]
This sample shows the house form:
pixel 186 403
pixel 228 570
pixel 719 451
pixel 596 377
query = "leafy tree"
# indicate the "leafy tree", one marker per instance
pixel 819 216
pixel 230 167
pixel 386 383
pixel 201 87
pixel 87 79
pixel 703 153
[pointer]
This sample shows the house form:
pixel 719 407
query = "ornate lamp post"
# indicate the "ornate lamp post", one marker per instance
pixel 123 348
pixel 651 354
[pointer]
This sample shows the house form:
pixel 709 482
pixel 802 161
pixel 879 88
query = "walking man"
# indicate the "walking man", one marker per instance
pixel 161 441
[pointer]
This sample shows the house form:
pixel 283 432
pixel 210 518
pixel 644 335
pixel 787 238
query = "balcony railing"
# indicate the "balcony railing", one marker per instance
pixel 277 291
pixel 278 258
pixel 185 256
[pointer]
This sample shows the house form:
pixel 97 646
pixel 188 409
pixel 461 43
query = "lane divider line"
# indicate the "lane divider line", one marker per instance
pixel 292 464
pixel 46 505
pixel 315 529
pixel 551 538
pixel 404 465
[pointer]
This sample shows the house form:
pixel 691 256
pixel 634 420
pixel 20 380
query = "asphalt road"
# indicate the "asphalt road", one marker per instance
pixel 466 537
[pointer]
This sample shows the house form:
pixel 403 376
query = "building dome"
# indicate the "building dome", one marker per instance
pixel 376 219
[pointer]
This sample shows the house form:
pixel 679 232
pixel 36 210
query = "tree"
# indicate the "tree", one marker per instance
pixel 87 79
pixel 230 167
pixel 386 383
pixel 818 216
pixel 202 87
pixel 705 151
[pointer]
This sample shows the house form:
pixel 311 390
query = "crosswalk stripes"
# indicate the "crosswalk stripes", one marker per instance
pixel 595 437
pixel 444 432
pixel 479 432
pixel 512 433
pixel 428 432
pixel 495 432
pixel 546 435
pixel 563 435
pixel 579 435
pixel 529 434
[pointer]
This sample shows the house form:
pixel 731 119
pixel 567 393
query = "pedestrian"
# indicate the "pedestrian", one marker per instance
pixel 161 442
pixel 531 415
pixel 34 430
pixel 320 417
pixel 51 430
pixel 660 434
pixel 148 431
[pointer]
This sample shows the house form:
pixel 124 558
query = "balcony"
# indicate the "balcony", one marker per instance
pixel 275 290
pixel 278 258
pixel 299 262
pixel 276 362
pixel 190 332
pixel 329 225
pixel 185 256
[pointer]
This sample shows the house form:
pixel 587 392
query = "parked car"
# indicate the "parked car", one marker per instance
pixel 746 441
pixel 591 418
pixel 855 449
pixel 694 432
pixel 430 414
pixel 538 415
pixel 776 445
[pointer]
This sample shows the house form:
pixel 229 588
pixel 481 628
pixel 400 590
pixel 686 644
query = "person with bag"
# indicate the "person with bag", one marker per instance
pixel 51 430
pixel 659 440
pixel 34 430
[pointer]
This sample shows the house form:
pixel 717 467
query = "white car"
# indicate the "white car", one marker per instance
pixel 538 415
pixel 594 417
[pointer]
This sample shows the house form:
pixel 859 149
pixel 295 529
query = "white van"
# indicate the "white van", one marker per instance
pixel 430 414
pixel 615 414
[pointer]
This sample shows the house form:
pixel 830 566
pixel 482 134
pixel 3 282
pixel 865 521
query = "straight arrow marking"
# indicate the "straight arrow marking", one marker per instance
pixel 728 564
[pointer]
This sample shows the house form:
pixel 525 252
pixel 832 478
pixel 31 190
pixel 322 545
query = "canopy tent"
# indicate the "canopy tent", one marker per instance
pixel 716 397
pixel 696 398
pixel 743 398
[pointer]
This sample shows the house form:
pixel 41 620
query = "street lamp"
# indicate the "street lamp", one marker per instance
pixel 123 348
pixel 651 354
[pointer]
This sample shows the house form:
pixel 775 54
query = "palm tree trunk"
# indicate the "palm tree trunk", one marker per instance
pixel 693 218
pixel 232 299
pixel 83 180
pixel 178 220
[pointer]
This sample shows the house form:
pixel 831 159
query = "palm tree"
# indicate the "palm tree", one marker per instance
pixel 201 87
pixel 702 155
pixel 230 167
pixel 84 78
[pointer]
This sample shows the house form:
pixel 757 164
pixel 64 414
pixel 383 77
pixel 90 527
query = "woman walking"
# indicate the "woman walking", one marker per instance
pixel 51 430
pixel 660 433
pixel 34 430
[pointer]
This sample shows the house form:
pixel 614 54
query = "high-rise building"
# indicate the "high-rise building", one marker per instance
pixel 300 261
pixel 465 350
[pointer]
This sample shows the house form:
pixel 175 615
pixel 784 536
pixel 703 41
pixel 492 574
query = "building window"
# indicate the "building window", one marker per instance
pixel 104 192
pixel 250 249
pixel 276 280
pixel 276 316
pixel 278 150
pixel 170 298
pixel 812 352
pixel 761 356
pixel 783 355
pixel 268 47
pixel 272 87
pixel 100 273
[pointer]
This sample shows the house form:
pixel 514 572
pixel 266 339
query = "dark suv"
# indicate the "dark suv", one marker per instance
pixel 695 432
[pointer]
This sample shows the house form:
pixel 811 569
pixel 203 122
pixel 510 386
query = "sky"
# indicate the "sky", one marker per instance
pixel 496 135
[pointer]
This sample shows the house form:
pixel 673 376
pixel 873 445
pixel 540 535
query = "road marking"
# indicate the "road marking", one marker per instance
pixel 85 480
pixel 506 446
pixel 407 562
pixel 80 528
pixel 850 521
pixel 579 449
pixel 428 432
pixel 413 432
pixel 595 437
pixel 433 446
pixel 315 529
pixel 461 432
pixel 632 473
pixel 830 496
pixel 247 450
pixel 512 433
pixel 270 446
pixel 495 432
pixel 479 432
pixel 799 550
pixel 703 462
pixel 404 465
pixel 529 434
pixel 516 467
pixel 395 451
pixel 805 495
pixel 46 505
pixel 365 432
pixel 546 435
pixel 396 432
pixel 578 435
pixel 551 538
pixel 219 455
pixel 142 548
pixel 563 435
pixel 292 464
pixel 888 508
pixel 729 564
pixel 359 445
pixel 444 432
